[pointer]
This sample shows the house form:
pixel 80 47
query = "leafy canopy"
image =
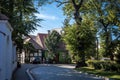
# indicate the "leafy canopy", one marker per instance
pixel 52 42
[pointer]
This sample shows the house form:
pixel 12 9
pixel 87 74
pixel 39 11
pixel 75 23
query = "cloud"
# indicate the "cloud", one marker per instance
pixel 45 16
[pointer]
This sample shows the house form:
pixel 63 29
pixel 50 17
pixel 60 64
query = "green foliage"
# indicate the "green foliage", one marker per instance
pixel 79 39
pixel 22 17
pixel 104 65
pixel 116 50
pixel 29 48
pixel 106 16
pixel 68 10
pixel 64 59
pixel 102 14
pixel 109 74
pixel 52 42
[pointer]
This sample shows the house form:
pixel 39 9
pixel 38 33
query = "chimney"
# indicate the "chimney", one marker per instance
pixel 48 32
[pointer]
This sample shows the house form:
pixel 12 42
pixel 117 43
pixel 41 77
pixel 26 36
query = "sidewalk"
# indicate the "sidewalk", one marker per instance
pixel 20 73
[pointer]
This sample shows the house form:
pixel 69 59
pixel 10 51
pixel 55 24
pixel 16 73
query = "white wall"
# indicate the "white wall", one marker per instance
pixel 14 57
pixel 7 52
pixel 2 57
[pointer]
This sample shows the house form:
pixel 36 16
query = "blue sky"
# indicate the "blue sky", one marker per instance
pixel 52 18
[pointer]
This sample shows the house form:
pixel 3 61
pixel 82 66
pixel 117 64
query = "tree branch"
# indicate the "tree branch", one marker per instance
pixel 104 25
pixel 118 37
pixel 61 2
pixel 80 3
pixel 74 4
pixel 77 6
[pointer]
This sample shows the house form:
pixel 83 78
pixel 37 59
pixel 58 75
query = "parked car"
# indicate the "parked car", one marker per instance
pixel 36 60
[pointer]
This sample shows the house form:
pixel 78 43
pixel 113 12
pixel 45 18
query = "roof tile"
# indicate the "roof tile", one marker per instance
pixel 3 17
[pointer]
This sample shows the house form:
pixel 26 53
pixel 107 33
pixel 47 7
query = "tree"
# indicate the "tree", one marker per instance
pixel 80 41
pixel 106 12
pixel 73 9
pixel 106 15
pixel 28 48
pixel 22 17
pixel 117 51
pixel 52 44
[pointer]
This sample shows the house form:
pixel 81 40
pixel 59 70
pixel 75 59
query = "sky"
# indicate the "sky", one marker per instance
pixel 52 18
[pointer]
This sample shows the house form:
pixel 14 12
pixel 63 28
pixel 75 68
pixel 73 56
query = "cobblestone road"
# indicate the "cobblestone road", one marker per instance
pixel 60 72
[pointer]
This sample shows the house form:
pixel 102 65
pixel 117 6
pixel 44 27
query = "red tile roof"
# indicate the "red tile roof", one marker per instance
pixel 41 39
pixel 33 37
pixel 37 46
pixel 34 43
pixel 37 41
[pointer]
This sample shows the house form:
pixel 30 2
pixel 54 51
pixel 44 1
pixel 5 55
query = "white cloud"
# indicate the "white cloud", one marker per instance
pixel 45 16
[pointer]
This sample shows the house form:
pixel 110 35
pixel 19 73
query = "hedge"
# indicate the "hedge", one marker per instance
pixel 104 65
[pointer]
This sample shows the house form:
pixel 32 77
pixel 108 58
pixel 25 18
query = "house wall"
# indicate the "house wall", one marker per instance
pixel 7 50
pixel 14 57
pixel 2 56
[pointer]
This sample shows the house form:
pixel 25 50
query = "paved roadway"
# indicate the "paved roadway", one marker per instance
pixel 20 73
pixel 60 72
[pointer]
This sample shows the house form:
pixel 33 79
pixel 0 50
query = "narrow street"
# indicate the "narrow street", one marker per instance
pixel 60 72
pixel 20 73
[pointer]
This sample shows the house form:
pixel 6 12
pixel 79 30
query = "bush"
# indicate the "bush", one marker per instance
pixel 97 65
pixel 117 56
pixel 104 65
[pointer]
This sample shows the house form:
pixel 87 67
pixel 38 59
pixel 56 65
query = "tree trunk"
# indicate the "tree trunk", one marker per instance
pixel 112 57
pixel 77 7
pixel 57 58
pixel 97 50
pixel 81 63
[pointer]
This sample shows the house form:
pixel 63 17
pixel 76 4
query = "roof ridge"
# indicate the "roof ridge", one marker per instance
pixel 3 17
pixel 42 33
pixel 35 42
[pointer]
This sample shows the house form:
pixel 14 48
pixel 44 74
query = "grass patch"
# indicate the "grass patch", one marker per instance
pixel 113 75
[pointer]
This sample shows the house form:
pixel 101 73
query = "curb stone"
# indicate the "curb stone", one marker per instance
pixel 28 71
pixel 29 74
